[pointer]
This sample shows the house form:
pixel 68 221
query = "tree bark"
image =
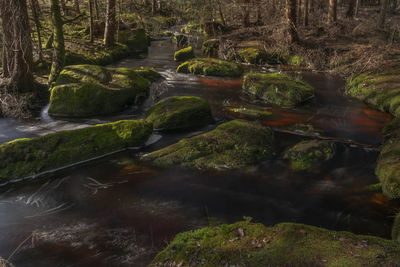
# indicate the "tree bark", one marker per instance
pixel 358 3
pixel 306 12
pixel 35 14
pixel 91 23
pixel 96 5
pixel 332 12
pixel 58 42
pixel 382 15
pixel 291 20
pixel 109 34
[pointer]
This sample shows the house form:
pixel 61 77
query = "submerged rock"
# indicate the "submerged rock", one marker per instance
pixel 88 90
pixel 30 156
pixel 254 55
pixel 148 73
pixel 184 54
pixel 277 88
pixel 388 167
pixel 380 89
pixel 285 244
pixel 211 67
pixel 234 144
pixel 248 113
pixel 180 112
pixel 307 153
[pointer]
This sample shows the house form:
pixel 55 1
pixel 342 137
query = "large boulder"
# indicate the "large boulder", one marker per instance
pixel 211 67
pixel 234 144
pixel 277 88
pixel 388 167
pixel 285 244
pixel 88 90
pixel 180 112
pixel 254 55
pixel 184 54
pixel 31 156
pixel 137 40
pixel 305 154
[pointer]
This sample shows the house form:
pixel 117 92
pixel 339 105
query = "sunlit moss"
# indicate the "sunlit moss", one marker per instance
pixel 211 67
pixel 184 54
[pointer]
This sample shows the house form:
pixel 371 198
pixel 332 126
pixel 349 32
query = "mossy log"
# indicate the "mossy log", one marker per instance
pixel 31 156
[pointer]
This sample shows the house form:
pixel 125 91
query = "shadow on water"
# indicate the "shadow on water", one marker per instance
pixel 119 211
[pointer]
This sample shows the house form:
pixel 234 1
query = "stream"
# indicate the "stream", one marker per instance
pixel 118 211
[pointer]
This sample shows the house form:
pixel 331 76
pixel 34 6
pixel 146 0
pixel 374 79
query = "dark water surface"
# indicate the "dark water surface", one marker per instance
pixel 120 212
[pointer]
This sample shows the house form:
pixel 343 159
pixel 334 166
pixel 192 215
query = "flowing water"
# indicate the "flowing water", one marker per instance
pixel 118 211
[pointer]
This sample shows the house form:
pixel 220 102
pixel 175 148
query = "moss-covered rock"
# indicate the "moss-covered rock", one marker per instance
pixel 286 244
pixel 148 73
pixel 137 40
pixel 248 113
pixel 307 153
pixel 277 88
pixel 380 89
pixel 210 47
pixel 211 67
pixel 181 40
pixel 26 157
pixel 180 112
pixel 88 90
pixel 184 54
pixel 388 167
pixel 254 55
pixel 234 144
pixel 396 228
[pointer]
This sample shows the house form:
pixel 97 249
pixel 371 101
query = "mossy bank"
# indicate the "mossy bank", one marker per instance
pixel 234 144
pixel 286 244
pixel 88 90
pixel 211 67
pixel 277 88
pixel 180 112
pixel 31 156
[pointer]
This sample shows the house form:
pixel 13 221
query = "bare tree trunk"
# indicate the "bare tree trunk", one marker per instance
pixel 58 42
pixel 91 23
pixel 109 34
pixel 8 56
pixel 154 7
pixel 350 11
pixel 382 15
pixel 358 3
pixel 332 12
pixel 299 12
pixel 291 20
pixel 306 7
pixel 96 5
pixel 21 74
pixel 34 7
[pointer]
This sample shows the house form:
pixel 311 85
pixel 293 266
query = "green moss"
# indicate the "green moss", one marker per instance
pixel 180 40
pixel 277 88
pixel 26 157
pixel 248 113
pixel 148 73
pixel 388 167
pixel 295 60
pixel 308 153
pixel 396 228
pixel 88 90
pixel 210 47
pixel 184 54
pixel 380 89
pixel 211 67
pixel 138 40
pixel 258 56
pixel 303 128
pixel 234 144
pixel 286 244
pixel 180 112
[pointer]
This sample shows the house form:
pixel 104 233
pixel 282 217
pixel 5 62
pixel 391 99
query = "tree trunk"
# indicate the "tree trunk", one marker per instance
pixel 91 23
pixel 382 15
pixel 358 3
pixel 154 7
pixel 64 7
pixel 58 42
pixel 21 72
pixel 77 7
pixel 96 5
pixel 291 20
pixel 299 12
pixel 34 7
pixel 332 12
pixel 350 11
pixel 8 55
pixel 306 7
pixel 109 34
